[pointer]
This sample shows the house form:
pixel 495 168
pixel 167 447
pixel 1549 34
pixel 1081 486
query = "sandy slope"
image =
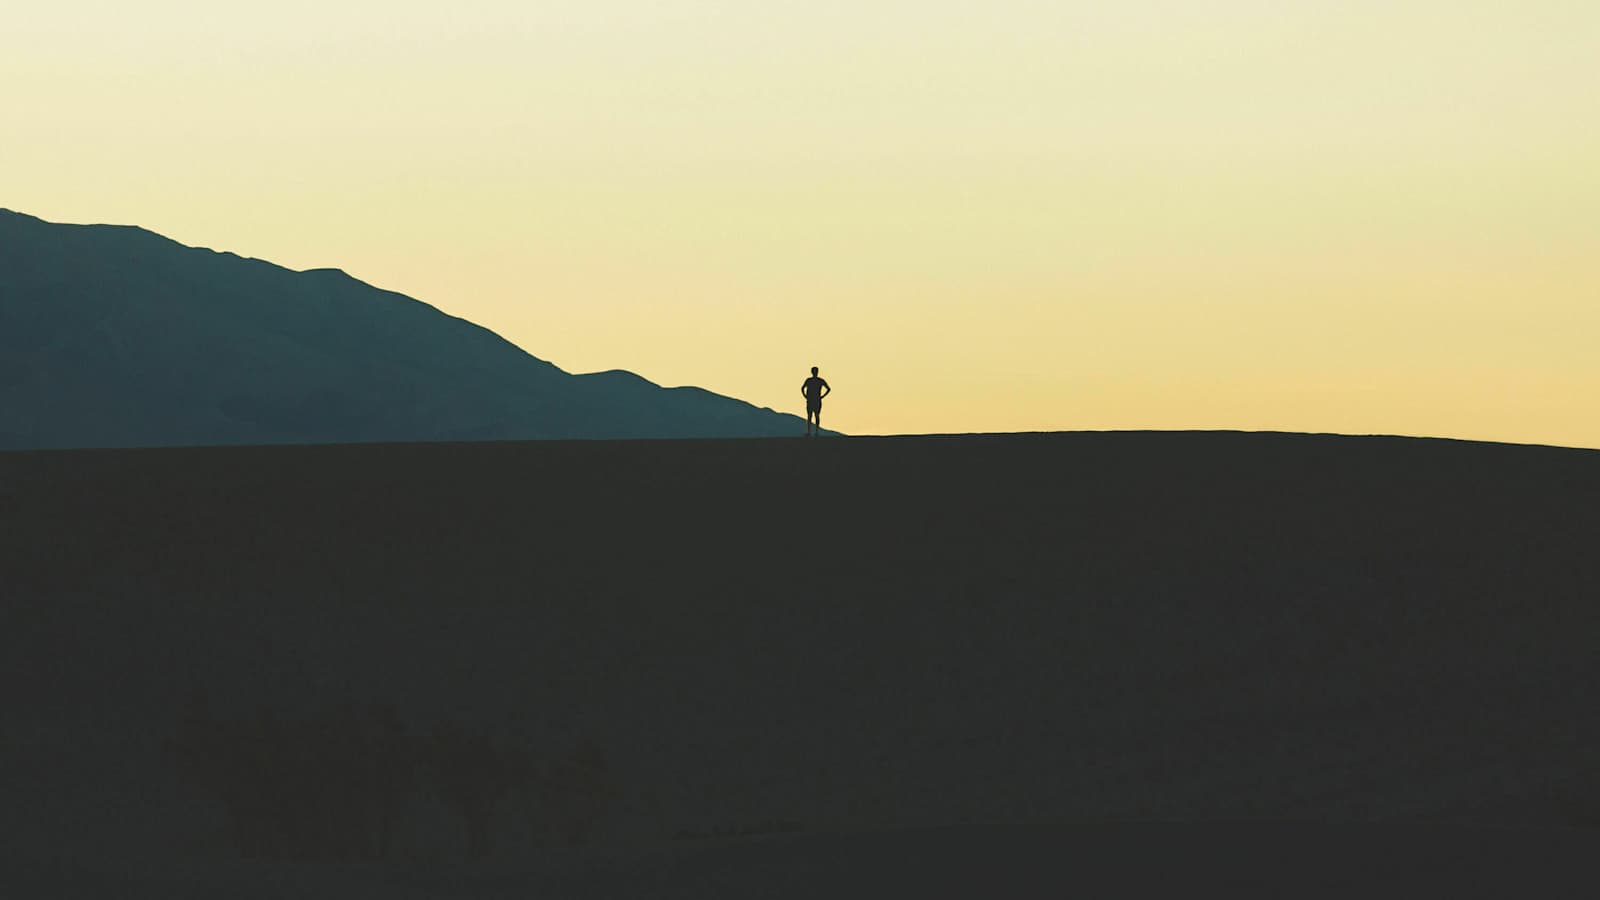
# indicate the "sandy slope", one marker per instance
pixel 823 636
pixel 1266 860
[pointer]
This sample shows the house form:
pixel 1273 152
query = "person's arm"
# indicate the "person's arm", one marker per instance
pixel 826 390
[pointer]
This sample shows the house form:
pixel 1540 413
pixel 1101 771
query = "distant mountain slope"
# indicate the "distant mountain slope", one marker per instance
pixel 115 336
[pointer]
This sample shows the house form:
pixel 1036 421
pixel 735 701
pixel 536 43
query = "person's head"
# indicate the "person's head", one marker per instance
pixel 813 370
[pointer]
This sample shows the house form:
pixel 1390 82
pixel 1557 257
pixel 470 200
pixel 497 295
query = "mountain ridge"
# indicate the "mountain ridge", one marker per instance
pixel 117 336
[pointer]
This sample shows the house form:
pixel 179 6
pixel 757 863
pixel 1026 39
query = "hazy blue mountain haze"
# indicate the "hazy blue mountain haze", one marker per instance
pixel 113 336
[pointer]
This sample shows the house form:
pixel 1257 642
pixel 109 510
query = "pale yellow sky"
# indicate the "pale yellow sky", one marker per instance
pixel 1351 216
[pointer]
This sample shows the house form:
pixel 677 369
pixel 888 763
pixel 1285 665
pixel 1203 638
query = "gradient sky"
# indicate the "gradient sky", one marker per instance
pixel 1310 215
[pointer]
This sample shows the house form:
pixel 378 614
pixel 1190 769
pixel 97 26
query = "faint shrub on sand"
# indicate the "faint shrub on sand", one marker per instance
pixel 325 785
pixel 352 782
pixel 573 795
pixel 473 776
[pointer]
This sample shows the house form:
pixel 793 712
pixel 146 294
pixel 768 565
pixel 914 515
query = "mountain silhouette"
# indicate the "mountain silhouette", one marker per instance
pixel 113 336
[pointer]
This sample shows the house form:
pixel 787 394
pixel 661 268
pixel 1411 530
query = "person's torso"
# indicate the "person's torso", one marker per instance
pixel 813 388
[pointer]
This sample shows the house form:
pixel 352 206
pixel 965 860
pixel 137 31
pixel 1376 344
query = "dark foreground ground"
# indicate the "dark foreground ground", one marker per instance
pixel 728 667
pixel 1262 860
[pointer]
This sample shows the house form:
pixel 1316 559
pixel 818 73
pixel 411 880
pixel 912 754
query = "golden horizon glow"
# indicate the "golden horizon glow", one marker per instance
pixel 1354 217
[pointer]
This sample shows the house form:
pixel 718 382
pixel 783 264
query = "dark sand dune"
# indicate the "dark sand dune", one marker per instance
pixel 1252 860
pixel 862 654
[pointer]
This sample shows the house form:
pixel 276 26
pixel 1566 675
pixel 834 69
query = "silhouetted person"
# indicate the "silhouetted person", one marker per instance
pixel 814 389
